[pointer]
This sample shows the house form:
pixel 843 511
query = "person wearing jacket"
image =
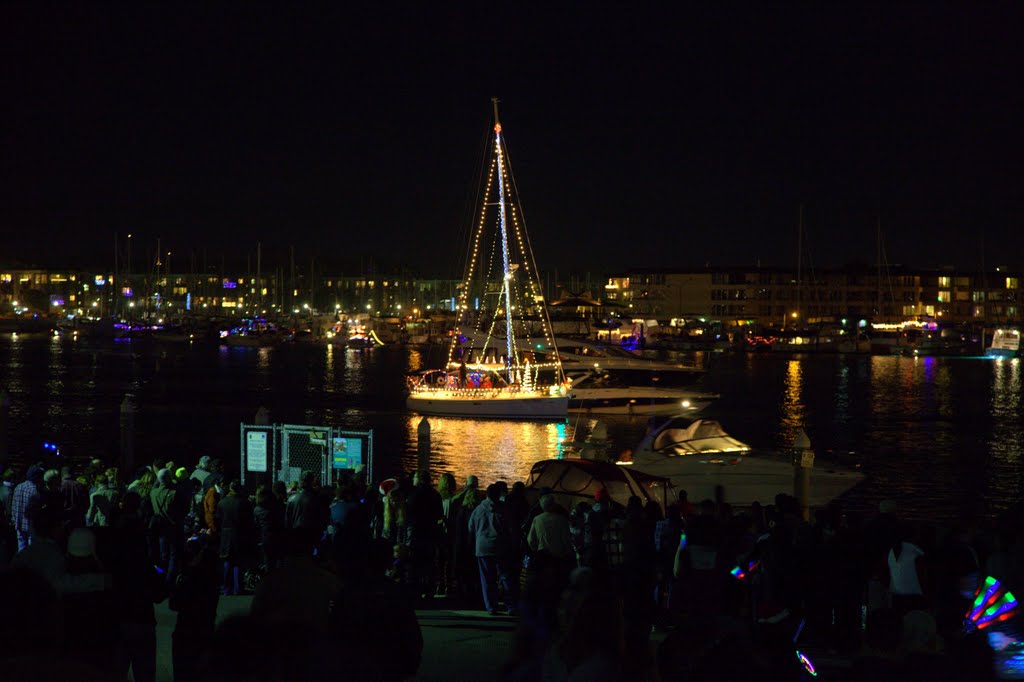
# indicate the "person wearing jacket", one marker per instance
pixel 210 500
pixel 103 504
pixel 234 519
pixel 493 538
pixel 168 519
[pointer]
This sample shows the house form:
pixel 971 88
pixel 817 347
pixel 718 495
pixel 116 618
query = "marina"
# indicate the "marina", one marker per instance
pixel 937 433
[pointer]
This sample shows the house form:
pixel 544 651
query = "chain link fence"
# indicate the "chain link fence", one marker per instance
pixel 284 452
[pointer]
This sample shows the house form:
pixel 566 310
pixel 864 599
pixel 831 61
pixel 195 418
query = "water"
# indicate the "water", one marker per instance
pixel 940 435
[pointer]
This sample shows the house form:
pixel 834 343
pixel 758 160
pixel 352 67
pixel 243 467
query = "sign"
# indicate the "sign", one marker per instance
pixel 347 453
pixel 807 459
pixel 256 451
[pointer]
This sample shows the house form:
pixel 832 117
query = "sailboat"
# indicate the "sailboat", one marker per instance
pixel 493 367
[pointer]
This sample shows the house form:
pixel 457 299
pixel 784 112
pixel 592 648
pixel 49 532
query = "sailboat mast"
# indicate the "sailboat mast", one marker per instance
pixel 507 279
pixel 799 266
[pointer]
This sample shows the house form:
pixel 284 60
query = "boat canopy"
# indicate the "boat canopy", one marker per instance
pixel 681 436
pixel 573 481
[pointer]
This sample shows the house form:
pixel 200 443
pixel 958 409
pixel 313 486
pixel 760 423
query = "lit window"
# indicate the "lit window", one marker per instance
pixel 1011 282
pixel 6 278
pixel 944 281
pixel 944 297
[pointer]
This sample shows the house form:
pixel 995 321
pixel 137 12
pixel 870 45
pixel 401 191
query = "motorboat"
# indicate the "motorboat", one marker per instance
pixel 492 369
pixel 572 481
pixel 593 391
pixel 254 333
pixel 1005 344
pixel 629 367
pixel 698 456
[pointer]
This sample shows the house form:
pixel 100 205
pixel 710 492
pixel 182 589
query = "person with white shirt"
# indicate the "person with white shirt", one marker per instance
pixel 906 576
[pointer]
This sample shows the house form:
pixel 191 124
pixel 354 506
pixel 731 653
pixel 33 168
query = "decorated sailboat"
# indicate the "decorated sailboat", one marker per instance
pixel 494 367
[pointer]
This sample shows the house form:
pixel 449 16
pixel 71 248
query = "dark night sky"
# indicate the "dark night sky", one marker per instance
pixel 637 138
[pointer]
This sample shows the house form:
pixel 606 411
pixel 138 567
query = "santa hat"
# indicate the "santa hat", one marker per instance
pixel 386 486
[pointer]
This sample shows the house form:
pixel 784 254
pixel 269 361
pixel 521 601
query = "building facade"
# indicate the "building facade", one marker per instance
pixel 779 297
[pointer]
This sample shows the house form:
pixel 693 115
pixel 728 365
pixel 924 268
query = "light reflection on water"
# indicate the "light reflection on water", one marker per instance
pixel 491 449
pixel 794 411
pixel 941 435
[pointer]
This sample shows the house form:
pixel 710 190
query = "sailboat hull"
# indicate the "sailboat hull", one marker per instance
pixel 491 407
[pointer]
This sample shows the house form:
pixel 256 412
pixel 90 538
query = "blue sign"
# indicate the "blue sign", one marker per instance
pixel 347 453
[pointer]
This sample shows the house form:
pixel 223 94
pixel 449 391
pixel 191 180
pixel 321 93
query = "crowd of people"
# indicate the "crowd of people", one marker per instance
pixel 598 589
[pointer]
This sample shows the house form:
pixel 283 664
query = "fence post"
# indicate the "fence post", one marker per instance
pixel 129 408
pixel 423 449
pixel 803 462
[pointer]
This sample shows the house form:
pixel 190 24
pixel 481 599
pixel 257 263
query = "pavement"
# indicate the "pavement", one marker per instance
pixel 457 644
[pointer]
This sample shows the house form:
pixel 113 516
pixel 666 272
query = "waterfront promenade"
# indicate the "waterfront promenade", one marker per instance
pixel 457 644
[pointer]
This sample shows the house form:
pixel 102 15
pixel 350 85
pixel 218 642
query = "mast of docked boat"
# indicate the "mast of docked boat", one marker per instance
pixel 506 279
pixel 799 267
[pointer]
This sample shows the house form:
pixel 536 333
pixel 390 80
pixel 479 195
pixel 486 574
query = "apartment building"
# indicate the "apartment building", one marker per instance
pixel 781 297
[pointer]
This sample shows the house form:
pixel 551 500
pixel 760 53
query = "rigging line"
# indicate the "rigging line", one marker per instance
pixel 461 315
pixel 888 273
pixel 469 209
pixel 559 373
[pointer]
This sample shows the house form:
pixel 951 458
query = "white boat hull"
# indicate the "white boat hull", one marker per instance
pixel 495 407
pixel 638 401
pixel 747 478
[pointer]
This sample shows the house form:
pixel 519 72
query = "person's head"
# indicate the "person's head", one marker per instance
pixel 263 495
pixel 51 479
pixel 493 493
pixel 34 475
pixel 308 480
pixel 82 546
pixel 421 478
pixel 65 473
pixel 216 466
pixel 280 490
pixel 548 503
pixel 163 477
pixel 472 482
pixel 101 481
pixel 235 487
pixel 446 485
pixel 204 463
pixel 502 488
pixel 683 497
pixel 114 477
pixel 181 474
pixel 602 496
